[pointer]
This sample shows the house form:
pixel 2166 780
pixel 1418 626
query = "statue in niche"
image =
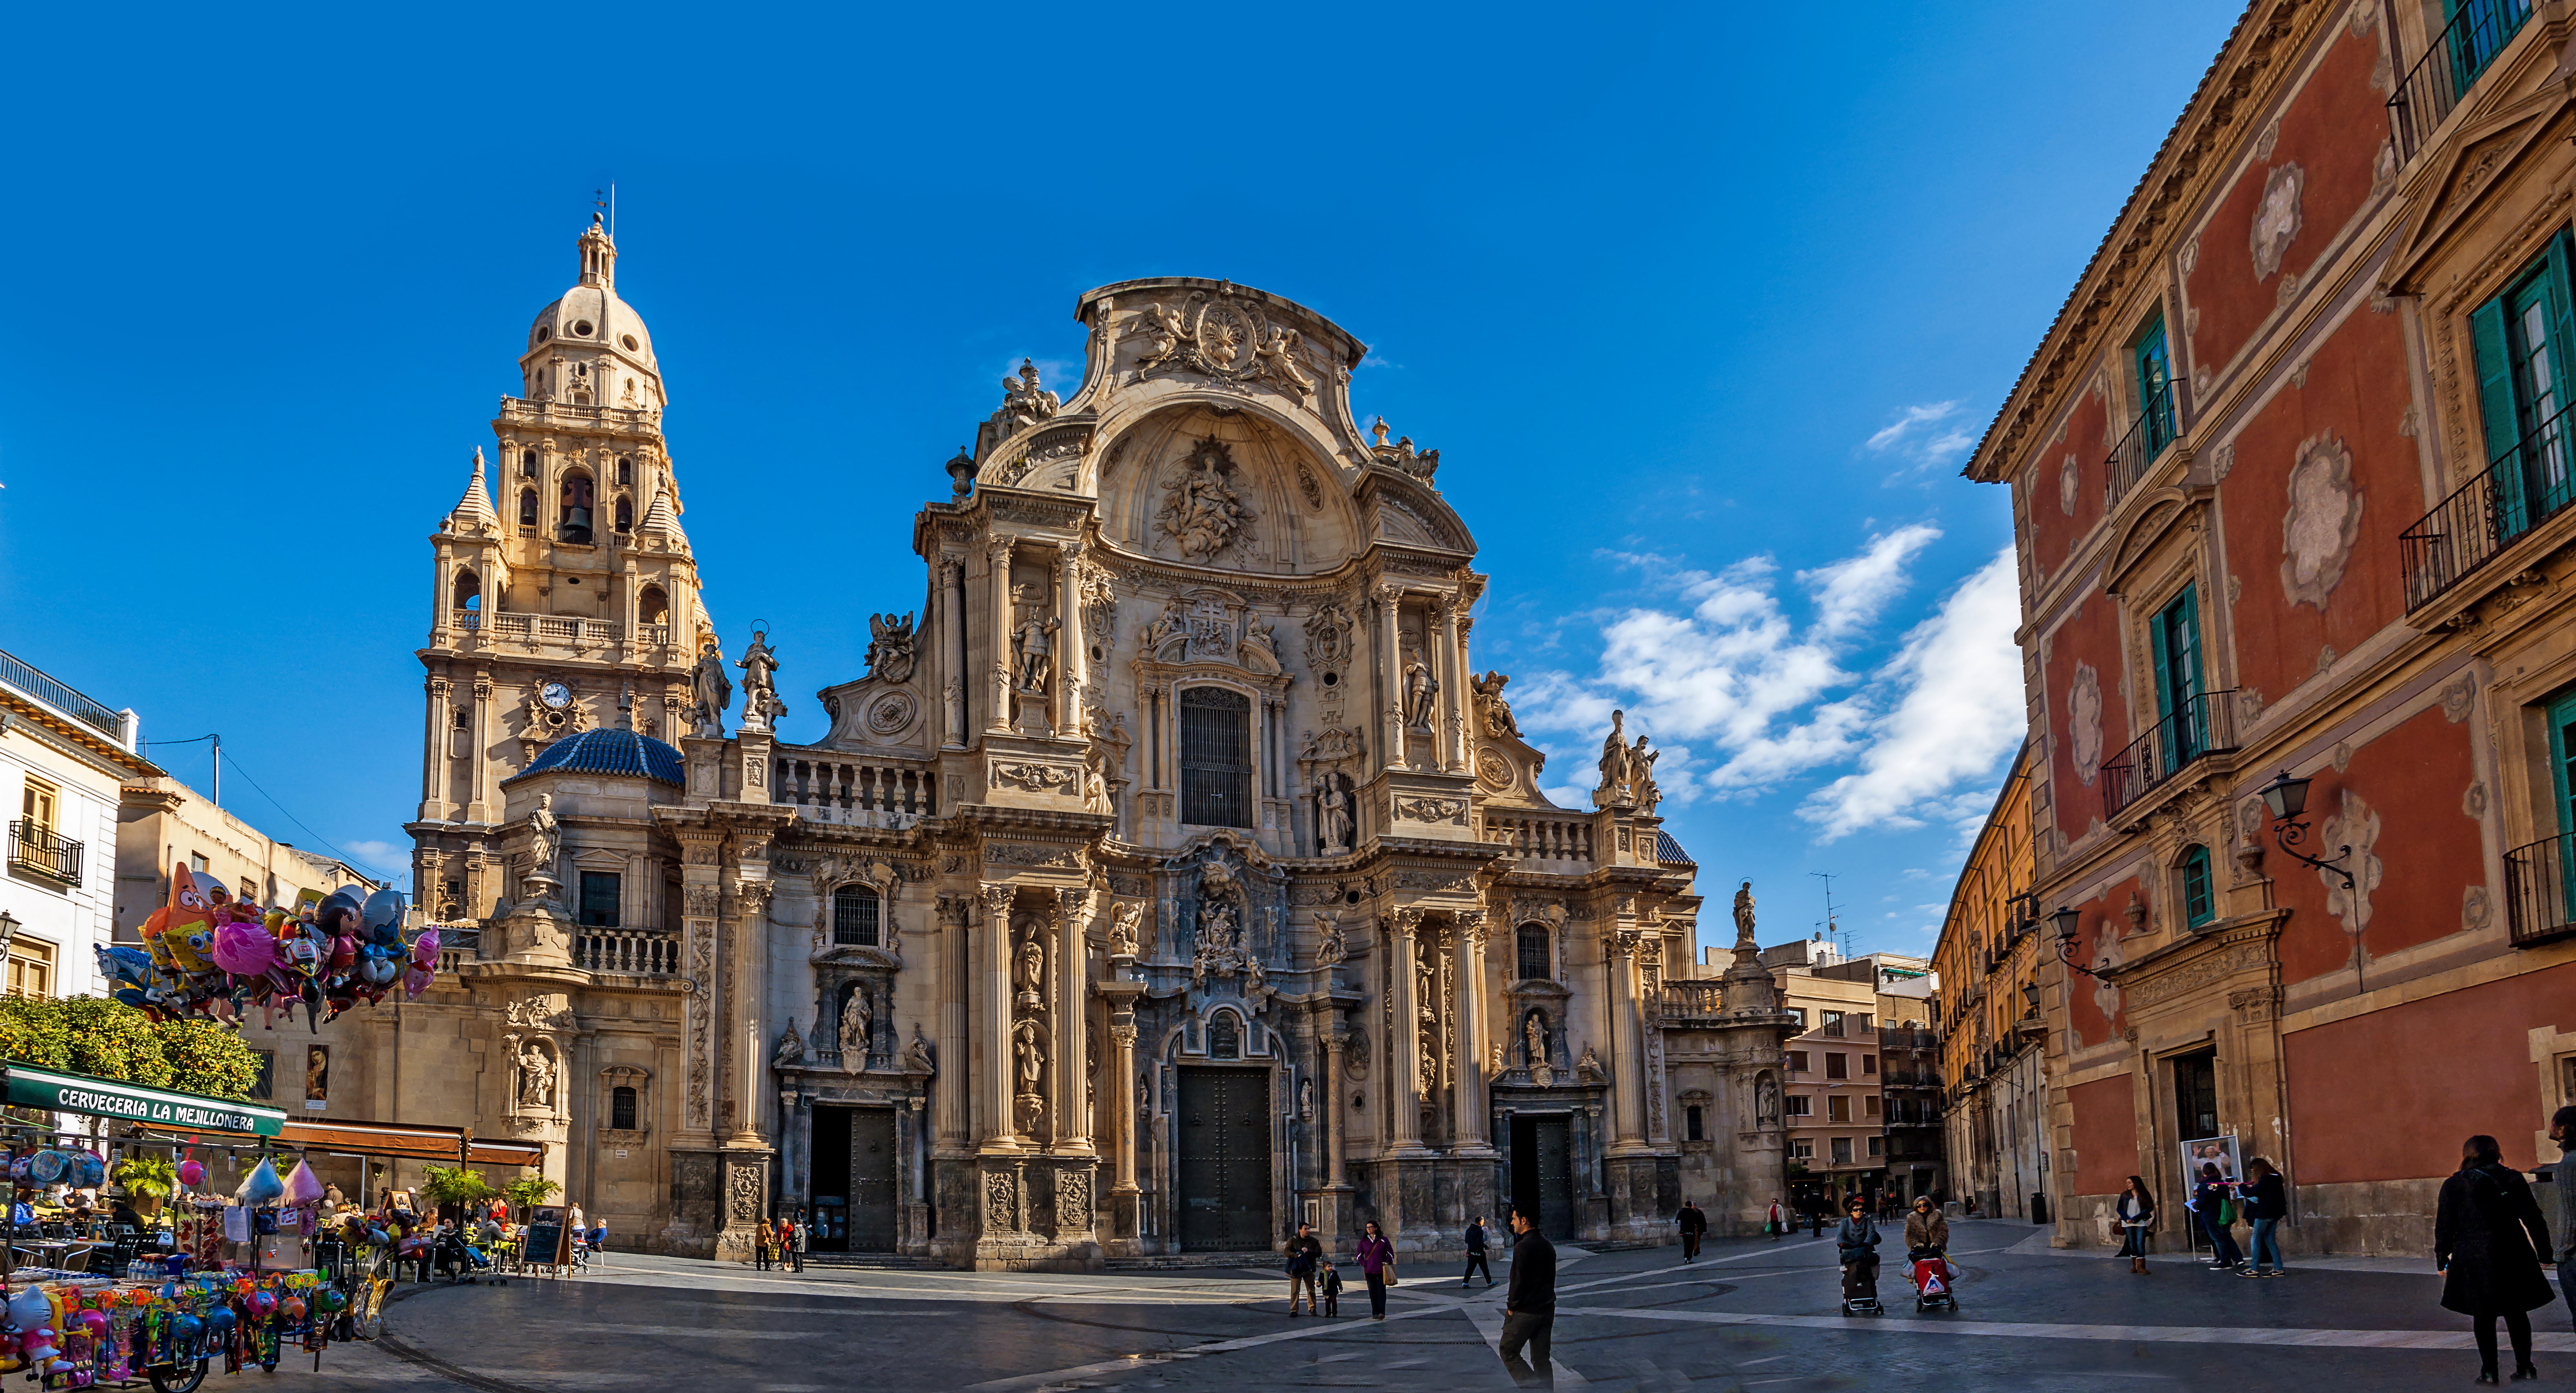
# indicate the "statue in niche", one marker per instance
pixel 1333 947
pixel 1260 647
pixel 890 648
pixel 1168 628
pixel 1201 513
pixel 1766 1101
pixel 1419 688
pixel 858 1017
pixel 1024 403
pixel 953 698
pixel 1032 971
pixel 1252 972
pixel 1033 642
pixel 791 1048
pixel 536 1078
pixel 1744 916
pixel 710 692
pixel 1615 769
pixel 1124 920
pixel 761 707
pixel 1332 816
pixel 917 1056
pixel 545 839
pixel 1305 1100
pixel 1028 1048
pixel 1534 1033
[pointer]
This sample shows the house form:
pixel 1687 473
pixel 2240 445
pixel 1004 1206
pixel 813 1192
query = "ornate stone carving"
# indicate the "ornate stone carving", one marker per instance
pixel 1033 640
pixel 1495 713
pixel 710 692
pixel 1429 809
pixel 891 653
pixel 2321 523
pixel 2084 722
pixel 701 901
pixel 1328 638
pixel 1228 341
pixel 1202 515
pixel 1125 920
pixel 743 1184
pixel 2276 219
pixel 761 707
pixel 1030 854
pixel 1035 777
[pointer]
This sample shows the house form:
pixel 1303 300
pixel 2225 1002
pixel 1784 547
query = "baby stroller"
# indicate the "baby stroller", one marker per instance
pixel 1933 1275
pixel 1860 1282
pixel 463 1262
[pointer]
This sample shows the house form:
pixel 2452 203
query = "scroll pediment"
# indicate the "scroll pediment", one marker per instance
pixel 2483 152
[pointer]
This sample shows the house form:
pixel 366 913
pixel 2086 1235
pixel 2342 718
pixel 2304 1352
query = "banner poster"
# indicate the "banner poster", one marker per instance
pixel 317 1078
pixel 2218 1151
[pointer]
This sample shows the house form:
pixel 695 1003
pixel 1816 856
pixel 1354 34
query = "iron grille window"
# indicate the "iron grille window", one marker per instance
pixel 1696 1124
pixel 1533 946
pixel 1216 757
pixel 599 899
pixel 621 1109
pixel 854 916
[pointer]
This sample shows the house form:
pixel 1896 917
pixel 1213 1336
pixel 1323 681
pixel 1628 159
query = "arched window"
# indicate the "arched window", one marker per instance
pixel 854 916
pixel 1533 951
pixel 528 464
pixel 527 507
pixel 625 513
pixel 576 508
pixel 625 472
pixel 621 1108
pixel 1225 1038
pixel 1216 757
pixel 1693 1125
pixel 467 594
pixel 2199 901
pixel 653 607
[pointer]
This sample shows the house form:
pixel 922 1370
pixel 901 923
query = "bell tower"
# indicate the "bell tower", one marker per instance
pixel 561 585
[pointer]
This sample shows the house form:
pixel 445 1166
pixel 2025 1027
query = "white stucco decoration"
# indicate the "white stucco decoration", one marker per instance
pixel 2321 522
pixel 2355 824
pixel 2084 722
pixel 2276 218
pixel 2066 480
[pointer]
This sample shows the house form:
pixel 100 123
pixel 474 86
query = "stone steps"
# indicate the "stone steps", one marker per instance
pixel 1258 1260
pixel 890 1261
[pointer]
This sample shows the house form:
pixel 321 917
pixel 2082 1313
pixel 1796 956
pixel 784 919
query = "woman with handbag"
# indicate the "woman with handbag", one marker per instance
pixel 1377 1263
pixel 2487 1239
pixel 2137 1219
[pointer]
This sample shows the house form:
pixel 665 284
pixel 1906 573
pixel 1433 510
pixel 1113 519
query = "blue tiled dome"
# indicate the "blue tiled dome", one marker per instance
pixel 1667 850
pixel 608 752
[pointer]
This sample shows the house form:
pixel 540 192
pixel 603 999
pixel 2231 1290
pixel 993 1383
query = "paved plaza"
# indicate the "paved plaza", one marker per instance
pixel 1747 1315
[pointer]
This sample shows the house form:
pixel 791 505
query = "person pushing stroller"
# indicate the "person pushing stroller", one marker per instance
pixel 1927 1247
pixel 1856 1245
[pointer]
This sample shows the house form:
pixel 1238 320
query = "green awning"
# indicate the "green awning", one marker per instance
pixel 60 1090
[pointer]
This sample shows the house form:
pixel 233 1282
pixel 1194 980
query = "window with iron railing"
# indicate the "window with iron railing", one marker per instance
pixel 2451 64
pixel 1216 757
pixel 854 916
pixel 35 850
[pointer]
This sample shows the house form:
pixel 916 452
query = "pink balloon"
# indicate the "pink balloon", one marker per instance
pixel 244 949
pixel 424 949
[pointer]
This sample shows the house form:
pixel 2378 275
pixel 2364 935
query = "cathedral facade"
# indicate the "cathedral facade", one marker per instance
pixel 1168 878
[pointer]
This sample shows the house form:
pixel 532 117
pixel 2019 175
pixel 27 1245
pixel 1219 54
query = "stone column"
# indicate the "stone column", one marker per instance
pixel 701 894
pixel 1329 1133
pixel 1073 670
pixel 1072 1021
pixel 1453 689
pixel 951 670
pixel 748 946
pixel 1627 1066
pixel 994 1122
pixel 477 808
pixel 1122 1038
pixel 997 554
pixel 956 967
pixel 434 761
pixel 1391 672
pixel 1404 1052
pixel 1471 1118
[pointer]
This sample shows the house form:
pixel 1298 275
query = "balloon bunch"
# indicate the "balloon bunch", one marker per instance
pixel 204 953
pixel 78 1333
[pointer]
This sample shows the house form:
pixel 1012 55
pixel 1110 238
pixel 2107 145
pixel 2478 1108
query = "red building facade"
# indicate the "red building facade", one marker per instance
pixel 2293 497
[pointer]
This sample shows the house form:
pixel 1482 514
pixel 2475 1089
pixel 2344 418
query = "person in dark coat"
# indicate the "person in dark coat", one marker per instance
pixel 2487 1238
pixel 2562 1130
pixel 1476 1260
pixel 1693 1224
pixel 1305 1253
pixel 1377 1263
pixel 1529 1305
pixel 2209 1200
pixel 2267 1203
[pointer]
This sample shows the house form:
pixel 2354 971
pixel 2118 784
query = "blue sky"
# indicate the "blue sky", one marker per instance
pixel 1702 306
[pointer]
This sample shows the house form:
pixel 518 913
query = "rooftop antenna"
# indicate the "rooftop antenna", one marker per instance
pixel 1832 929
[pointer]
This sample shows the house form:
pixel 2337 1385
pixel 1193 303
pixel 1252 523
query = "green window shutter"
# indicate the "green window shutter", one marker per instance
pixel 2160 642
pixel 2562 748
pixel 2496 411
pixel 2199 905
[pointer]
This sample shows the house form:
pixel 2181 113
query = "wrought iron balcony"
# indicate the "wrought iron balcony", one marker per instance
pixel 2204 725
pixel 2537 879
pixel 2449 67
pixel 2141 447
pixel 2533 481
pixel 45 689
pixel 35 850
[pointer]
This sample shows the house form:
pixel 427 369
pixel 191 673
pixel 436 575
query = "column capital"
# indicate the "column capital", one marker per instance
pixel 997 904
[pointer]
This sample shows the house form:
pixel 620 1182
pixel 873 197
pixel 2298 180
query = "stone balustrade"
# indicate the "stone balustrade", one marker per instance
pixel 1690 999
pixel 1542 837
pixel 639 952
pixel 846 792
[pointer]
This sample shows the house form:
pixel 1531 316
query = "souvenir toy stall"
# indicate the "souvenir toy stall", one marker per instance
pixel 225 1290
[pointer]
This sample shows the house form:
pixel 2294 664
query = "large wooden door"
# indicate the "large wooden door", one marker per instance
pixel 872 1202
pixel 1543 1172
pixel 827 1181
pixel 1225 1160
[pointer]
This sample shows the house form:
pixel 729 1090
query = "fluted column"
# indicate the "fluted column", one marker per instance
pixel 1453 689
pixel 955 968
pixel 748 945
pixel 1471 1117
pixel 1404 1132
pixel 993 1024
pixel 1073 668
pixel 1122 1040
pixel 950 609
pixel 1329 1133
pixel 1627 1068
pixel 1072 1033
pixel 1391 671
pixel 997 554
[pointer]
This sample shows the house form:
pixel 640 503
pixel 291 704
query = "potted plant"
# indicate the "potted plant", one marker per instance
pixel 149 1181
pixel 454 1187
pixel 529 1191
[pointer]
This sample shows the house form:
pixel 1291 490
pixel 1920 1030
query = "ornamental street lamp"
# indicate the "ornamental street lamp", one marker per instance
pixel 2068 922
pixel 8 931
pixel 2287 798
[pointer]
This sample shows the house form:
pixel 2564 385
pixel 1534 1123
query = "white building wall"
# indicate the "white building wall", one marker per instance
pixel 72 920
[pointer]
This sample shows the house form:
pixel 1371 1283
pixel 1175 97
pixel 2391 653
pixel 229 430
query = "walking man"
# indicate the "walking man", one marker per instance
pixel 1693 1224
pixel 1529 1305
pixel 1476 1253
pixel 1304 1251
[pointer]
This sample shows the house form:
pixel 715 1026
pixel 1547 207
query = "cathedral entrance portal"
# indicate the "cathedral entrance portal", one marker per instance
pixel 1225 1160
pixel 852 1191
pixel 1543 1172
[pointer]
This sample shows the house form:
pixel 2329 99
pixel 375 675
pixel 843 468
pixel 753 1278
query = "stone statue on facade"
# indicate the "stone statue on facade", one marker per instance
pixel 953 699
pixel 536 1078
pixel 858 1017
pixel 1032 970
pixel 1332 817
pixel 1489 700
pixel 1534 1034
pixel 1744 916
pixel 1588 1068
pixel 1201 513
pixel 1260 648
pixel 791 1048
pixel 1028 1050
pixel 1033 644
pixel 890 648
pixel 1124 921
pixel 1333 947
pixel 1168 629
pixel 545 839
pixel 1766 1101
pixel 1419 688
pixel 1615 768
pixel 1641 778
pixel 1024 403
pixel 1305 1100
pixel 917 1056
pixel 710 692
pixel 761 707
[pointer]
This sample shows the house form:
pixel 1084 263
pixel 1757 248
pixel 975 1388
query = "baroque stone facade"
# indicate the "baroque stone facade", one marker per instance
pixel 1167 878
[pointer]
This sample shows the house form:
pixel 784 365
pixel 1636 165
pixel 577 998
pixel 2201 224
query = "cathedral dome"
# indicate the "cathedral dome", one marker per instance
pixel 607 752
pixel 591 316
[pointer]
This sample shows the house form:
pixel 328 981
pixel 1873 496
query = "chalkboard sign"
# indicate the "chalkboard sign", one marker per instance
pixel 546 1243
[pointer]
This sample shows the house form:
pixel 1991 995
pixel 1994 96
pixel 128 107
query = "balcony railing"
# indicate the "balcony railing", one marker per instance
pixel 2537 879
pixel 1542 838
pixel 2205 725
pixel 2533 481
pixel 1693 998
pixel 852 794
pixel 2146 440
pixel 637 951
pixel 34 849
pixel 1900 1038
pixel 45 689
pixel 2449 67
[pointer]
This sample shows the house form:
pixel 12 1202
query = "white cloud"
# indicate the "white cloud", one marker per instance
pixel 1960 711
pixel 1851 592
pixel 1929 435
